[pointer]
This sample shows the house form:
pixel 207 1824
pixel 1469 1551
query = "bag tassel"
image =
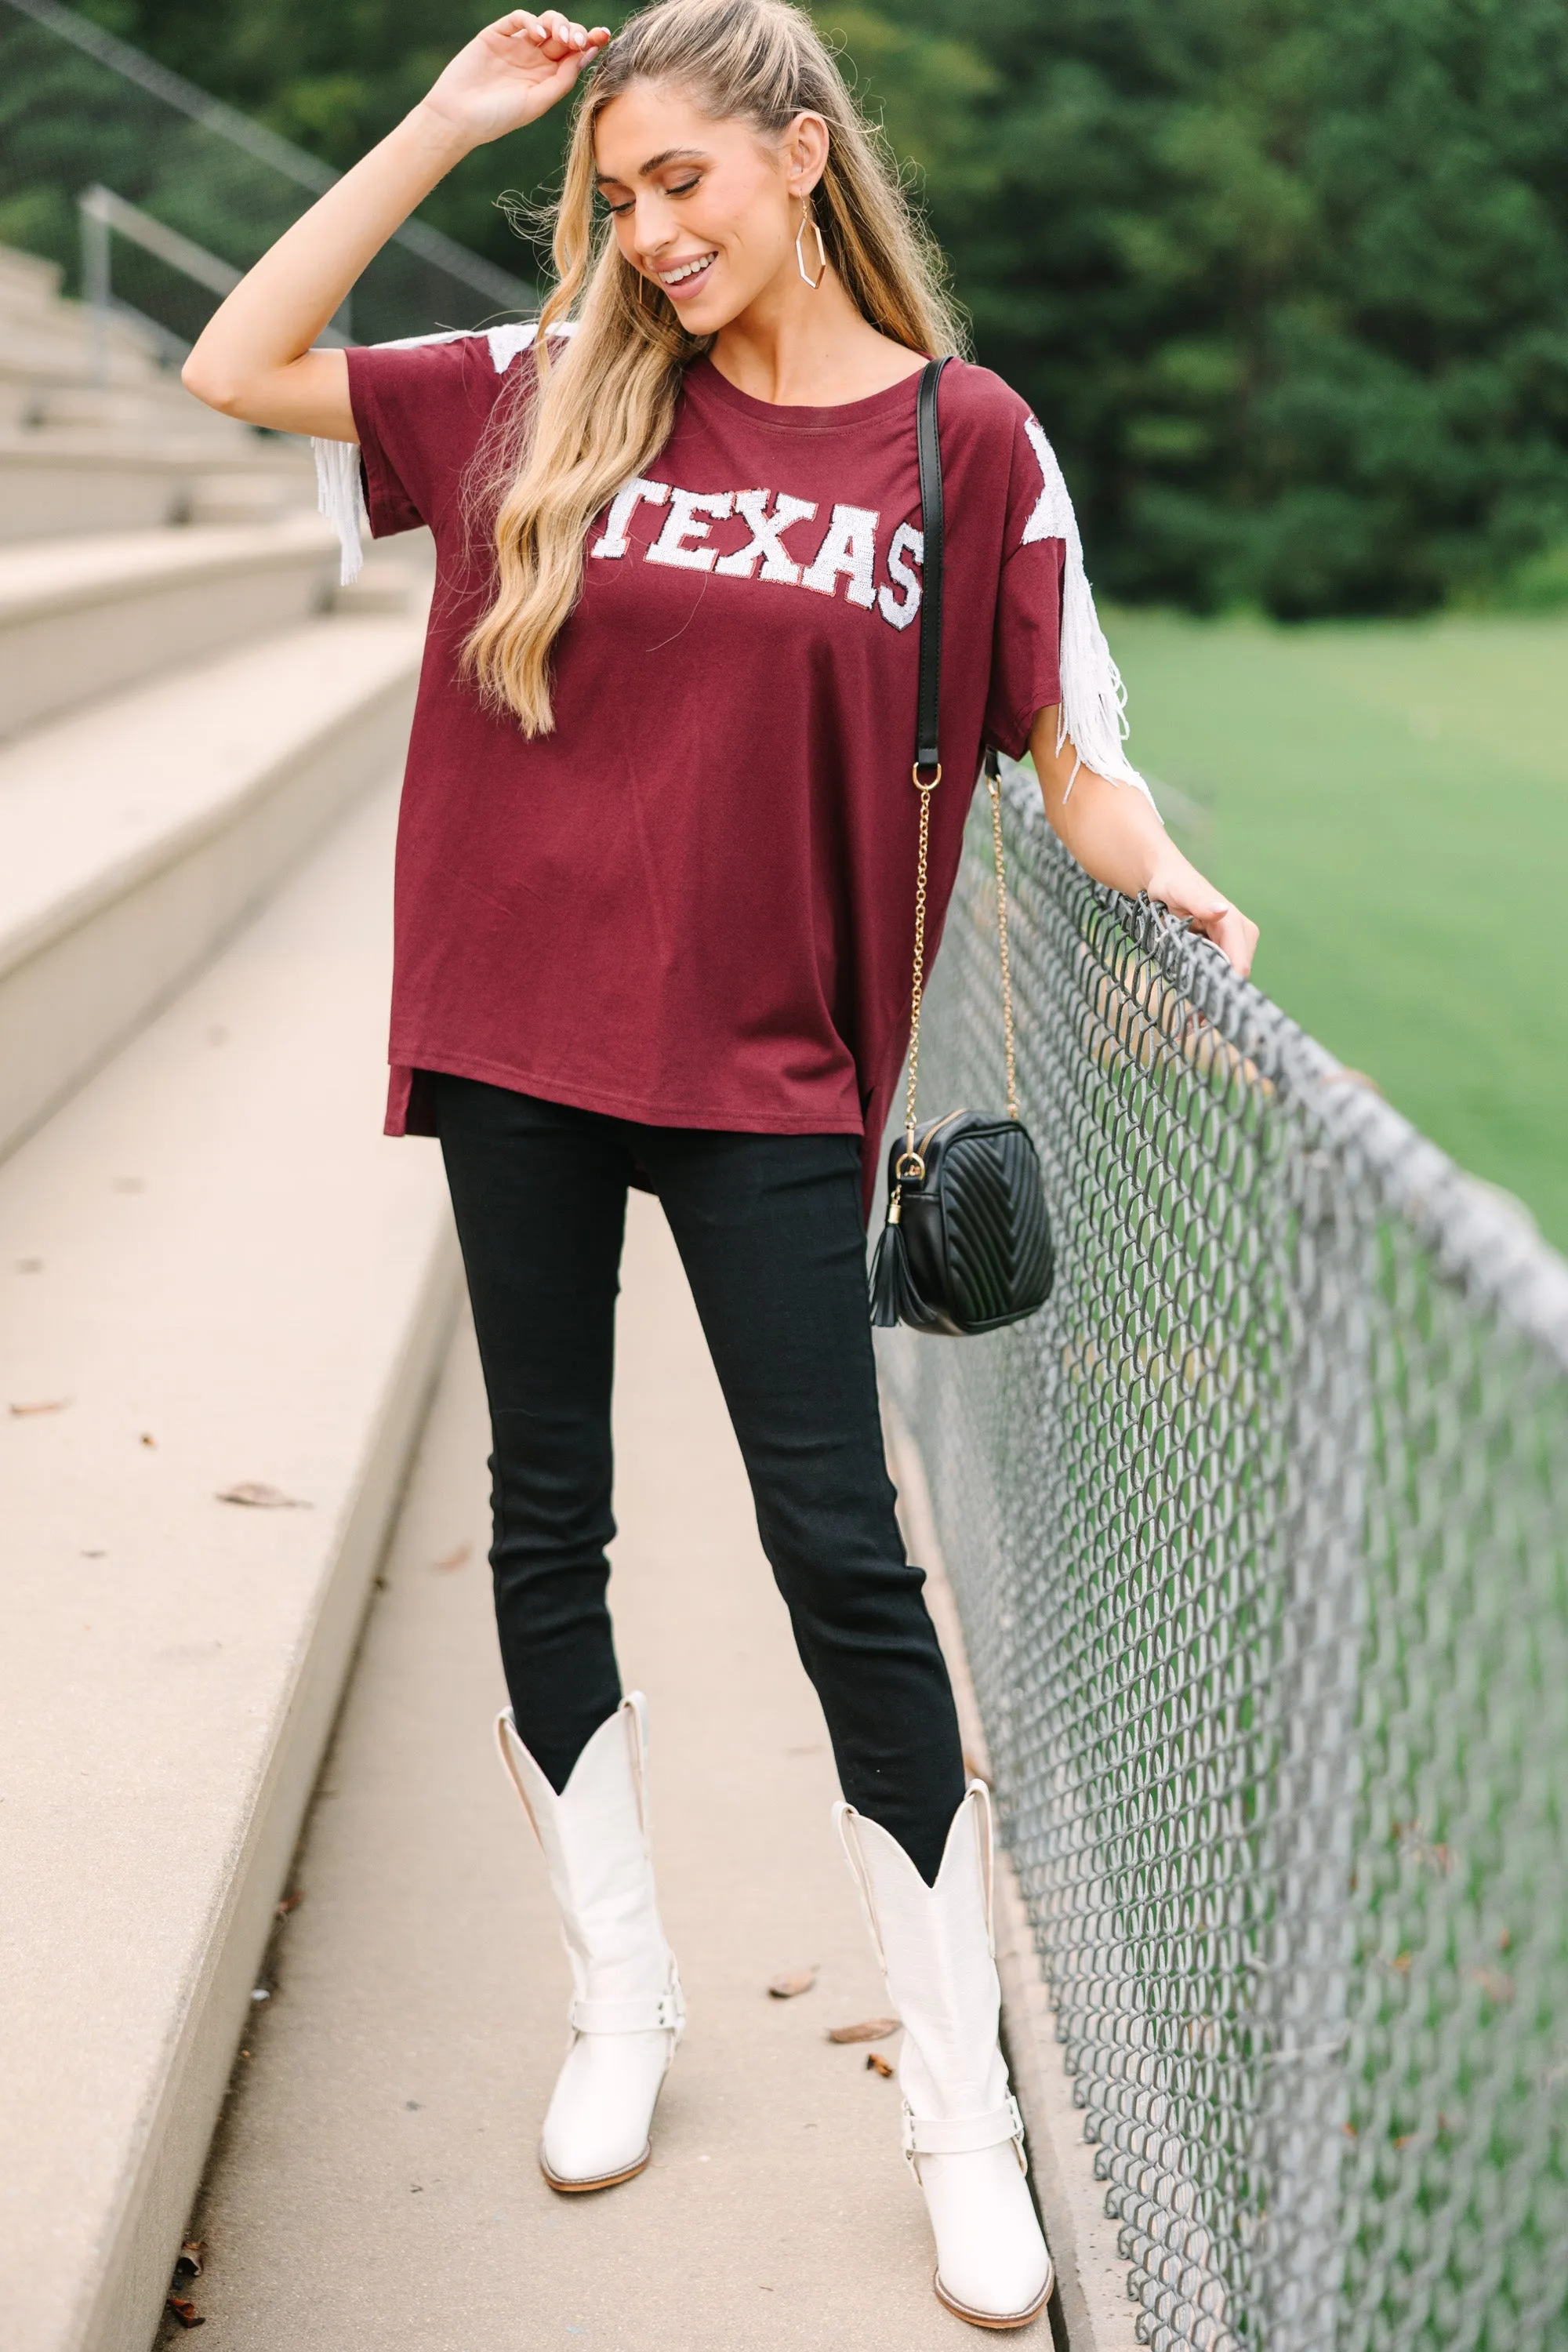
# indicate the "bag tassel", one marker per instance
pixel 894 1297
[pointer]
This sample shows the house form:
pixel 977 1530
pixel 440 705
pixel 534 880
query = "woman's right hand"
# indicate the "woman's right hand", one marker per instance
pixel 511 73
pixel 256 357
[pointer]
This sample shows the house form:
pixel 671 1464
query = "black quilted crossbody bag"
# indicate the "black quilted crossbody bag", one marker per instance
pixel 967 1244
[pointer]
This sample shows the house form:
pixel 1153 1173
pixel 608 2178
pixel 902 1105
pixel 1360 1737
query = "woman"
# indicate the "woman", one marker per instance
pixel 654 903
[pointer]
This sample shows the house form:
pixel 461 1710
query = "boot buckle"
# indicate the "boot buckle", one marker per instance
pixel 666 2014
pixel 962 2135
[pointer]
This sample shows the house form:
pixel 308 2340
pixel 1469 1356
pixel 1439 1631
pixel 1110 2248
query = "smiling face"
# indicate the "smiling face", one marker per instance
pixel 707 210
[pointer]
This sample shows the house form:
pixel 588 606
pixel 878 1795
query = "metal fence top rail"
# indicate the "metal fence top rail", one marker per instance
pixel 430 244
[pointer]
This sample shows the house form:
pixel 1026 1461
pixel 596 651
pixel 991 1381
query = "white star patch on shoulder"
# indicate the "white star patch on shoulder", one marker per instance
pixel 1053 516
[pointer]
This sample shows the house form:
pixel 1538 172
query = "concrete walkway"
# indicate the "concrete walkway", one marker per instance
pixel 373 2186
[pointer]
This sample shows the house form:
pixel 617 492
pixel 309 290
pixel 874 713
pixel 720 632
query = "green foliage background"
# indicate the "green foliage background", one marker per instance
pixel 1288 279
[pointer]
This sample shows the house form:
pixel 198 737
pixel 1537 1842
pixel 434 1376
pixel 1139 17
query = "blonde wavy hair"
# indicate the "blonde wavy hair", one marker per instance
pixel 605 401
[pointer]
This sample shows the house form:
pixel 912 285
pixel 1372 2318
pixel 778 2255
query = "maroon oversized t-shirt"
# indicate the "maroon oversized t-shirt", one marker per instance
pixel 692 905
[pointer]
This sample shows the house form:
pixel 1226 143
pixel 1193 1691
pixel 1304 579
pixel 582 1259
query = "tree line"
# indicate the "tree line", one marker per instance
pixel 1287 281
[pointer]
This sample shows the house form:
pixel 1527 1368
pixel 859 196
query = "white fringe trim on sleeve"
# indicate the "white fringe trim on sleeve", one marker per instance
pixel 339 498
pixel 339 495
pixel 1094 699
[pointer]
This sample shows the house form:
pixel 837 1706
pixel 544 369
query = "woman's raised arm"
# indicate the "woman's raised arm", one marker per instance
pixel 255 358
pixel 1114 833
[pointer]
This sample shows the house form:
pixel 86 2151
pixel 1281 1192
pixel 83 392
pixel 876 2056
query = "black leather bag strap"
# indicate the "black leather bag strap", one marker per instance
pixel 928 713
pixel 928 762
pixel 928 444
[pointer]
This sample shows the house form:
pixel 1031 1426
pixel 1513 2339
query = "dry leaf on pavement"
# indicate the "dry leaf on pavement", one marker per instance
pixel 185 2313
pixel 793 1980
pixel 871 2029
pixel 877 2064
pixel 47 1404
pixel 257 1496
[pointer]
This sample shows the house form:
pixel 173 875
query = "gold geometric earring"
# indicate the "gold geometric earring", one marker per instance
pixel 809 216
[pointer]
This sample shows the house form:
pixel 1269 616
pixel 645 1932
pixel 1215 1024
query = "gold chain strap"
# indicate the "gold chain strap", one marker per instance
pixel 909 1164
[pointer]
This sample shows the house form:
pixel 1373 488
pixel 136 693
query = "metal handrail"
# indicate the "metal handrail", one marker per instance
pixel 507 292
pixel 103 214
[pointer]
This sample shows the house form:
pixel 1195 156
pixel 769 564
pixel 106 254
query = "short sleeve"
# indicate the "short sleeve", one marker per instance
pixel 1025 654
pixel 419 410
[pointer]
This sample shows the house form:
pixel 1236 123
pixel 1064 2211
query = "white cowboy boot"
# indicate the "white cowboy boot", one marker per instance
pixel 963 2136
pixel 627 2012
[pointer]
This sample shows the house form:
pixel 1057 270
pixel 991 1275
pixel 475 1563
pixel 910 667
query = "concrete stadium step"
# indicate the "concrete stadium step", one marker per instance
pixel 81 616
pixel 63 339
pixel 58 328
pixel 135 836
pixel 56 331
pixel 60 365
pixel 49 344
pixel 53 370
pixel 159 403
pixel 56 373
pixel 70 482
pixel 218 1277
pixel 27 283
pixel 65 390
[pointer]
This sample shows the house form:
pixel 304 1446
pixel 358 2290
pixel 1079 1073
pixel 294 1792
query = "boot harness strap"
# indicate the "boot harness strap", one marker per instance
pixel 928 2135
pixel 644 2016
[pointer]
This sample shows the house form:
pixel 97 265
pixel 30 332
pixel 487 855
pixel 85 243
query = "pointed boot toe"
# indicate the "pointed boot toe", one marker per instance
pixel 992 2265
pixel 598 2129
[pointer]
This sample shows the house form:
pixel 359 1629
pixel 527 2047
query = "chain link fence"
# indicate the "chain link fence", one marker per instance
pixel 1257 1533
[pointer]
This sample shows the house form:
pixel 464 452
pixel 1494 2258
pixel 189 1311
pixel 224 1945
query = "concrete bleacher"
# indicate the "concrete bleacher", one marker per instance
pixel 217 1275
pixel 79 616
pixel 95 435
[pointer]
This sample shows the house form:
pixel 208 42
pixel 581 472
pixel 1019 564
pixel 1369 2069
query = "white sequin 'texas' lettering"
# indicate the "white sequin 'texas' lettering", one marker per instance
pixel 907 542
pixel 684 523
pixel 849 551
pixel 767 536
pixel 623 505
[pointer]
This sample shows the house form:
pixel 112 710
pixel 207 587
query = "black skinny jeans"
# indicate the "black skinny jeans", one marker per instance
pixel 769 1230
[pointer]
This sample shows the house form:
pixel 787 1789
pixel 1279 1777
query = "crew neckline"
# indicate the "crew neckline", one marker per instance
pixel 787 418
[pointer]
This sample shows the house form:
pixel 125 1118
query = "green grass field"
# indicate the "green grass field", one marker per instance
pixel 1390 803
